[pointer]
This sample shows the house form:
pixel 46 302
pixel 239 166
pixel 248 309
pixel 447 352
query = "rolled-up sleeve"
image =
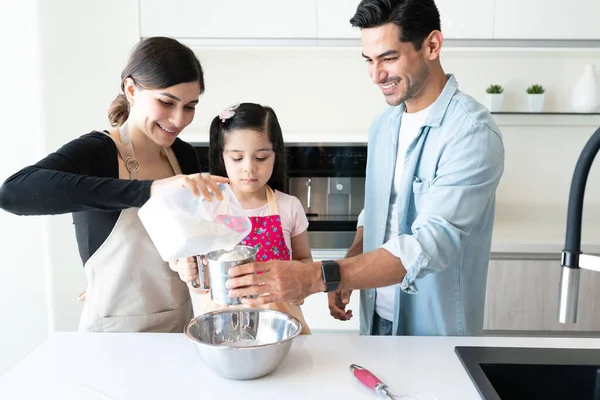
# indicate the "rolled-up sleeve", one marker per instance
pixel 361 219
pixel 453 203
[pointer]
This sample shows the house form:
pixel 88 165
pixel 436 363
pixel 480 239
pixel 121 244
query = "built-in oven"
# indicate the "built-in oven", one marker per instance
pixel 329 181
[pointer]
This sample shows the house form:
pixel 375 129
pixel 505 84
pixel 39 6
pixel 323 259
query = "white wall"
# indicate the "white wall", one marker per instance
pixel 328 90
pixel 323 89
pixel 62 65
pixel 23 310
pixel 85 46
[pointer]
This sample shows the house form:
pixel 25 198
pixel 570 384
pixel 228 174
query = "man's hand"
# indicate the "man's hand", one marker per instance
pixel 338 301
pixel 275 281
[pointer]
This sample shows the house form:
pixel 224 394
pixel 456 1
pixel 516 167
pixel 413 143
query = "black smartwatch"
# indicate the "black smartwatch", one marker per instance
pixel 331 275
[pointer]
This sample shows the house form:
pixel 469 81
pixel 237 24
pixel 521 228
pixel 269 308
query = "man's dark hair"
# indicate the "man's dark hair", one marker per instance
pixel 415 18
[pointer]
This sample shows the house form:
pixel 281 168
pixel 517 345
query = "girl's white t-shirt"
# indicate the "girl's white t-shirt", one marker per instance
pixel 293 217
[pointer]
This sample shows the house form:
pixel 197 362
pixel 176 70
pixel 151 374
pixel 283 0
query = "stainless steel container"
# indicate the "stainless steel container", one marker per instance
pixel 214 275
pixel 243 343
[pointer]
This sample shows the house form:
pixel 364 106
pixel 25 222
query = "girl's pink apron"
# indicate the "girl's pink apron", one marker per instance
pixel 267 237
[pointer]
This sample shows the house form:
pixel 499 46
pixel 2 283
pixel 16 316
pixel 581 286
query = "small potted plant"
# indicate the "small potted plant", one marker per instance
pixel 535 98
pixel 494 97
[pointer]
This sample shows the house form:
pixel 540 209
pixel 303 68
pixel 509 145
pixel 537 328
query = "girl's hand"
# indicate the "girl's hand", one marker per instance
pixel 187 268
pixel 198 184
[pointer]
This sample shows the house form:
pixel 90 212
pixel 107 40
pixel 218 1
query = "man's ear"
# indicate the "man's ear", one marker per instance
pixel 433 45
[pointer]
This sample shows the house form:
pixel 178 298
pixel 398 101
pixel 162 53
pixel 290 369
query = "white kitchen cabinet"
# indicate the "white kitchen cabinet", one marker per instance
pixel 316 313
pixel 460 19
pixel 227 19
pixel 467 19
pixel 522 296
pixel 316 310
pixel 333 19
pixel 547 19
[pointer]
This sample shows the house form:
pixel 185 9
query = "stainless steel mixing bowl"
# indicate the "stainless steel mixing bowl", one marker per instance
pixel 243 343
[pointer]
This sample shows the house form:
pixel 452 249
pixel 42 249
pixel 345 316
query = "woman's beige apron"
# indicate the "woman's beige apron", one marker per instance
pixel 129 287
pixel 287 308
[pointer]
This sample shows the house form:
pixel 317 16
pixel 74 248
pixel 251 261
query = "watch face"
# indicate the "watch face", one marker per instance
pixel 331 271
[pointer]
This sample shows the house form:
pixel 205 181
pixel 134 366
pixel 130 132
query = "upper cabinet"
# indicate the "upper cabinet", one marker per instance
pixel 314 22
pixel 467 19
pixel 460 19
pixel 333 19
pixel 228 19
pixel 547 19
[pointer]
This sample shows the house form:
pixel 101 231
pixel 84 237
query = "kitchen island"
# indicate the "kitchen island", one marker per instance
pixel 165 366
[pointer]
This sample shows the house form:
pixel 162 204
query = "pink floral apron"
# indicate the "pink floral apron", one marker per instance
pixel 267 237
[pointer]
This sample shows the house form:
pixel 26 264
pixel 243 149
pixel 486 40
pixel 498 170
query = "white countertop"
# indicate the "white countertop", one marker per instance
pixel 165 366
pixel 541 229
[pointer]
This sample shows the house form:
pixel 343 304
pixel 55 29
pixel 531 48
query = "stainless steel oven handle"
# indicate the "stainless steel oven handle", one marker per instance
pixel 308 187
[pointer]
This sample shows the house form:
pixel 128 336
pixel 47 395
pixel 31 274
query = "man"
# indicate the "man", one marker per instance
pixel 435 158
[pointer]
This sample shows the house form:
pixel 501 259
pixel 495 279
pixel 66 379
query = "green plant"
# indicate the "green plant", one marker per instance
pixel 535 89
pixel 494 89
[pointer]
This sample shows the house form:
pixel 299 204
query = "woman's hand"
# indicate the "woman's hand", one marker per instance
pixel 198 184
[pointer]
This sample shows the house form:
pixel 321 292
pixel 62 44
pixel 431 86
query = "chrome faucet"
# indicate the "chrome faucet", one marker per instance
pixel 573 259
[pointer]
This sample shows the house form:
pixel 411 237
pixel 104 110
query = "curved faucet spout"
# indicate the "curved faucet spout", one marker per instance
pixel 572 259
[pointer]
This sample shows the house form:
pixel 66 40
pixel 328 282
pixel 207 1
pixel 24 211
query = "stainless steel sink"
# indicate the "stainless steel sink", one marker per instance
pixel 512 373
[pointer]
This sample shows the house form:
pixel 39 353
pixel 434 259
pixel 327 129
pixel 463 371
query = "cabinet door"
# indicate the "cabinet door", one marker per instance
pixel 316 309
pixel 547 19
pixel 333 19
pixel 460 19
pixel 522 295
pixel 316 313
pixel 227 19
pixel 467 19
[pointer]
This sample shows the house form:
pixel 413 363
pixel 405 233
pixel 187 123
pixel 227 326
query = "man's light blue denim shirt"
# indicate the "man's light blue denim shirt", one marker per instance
pixel 446 205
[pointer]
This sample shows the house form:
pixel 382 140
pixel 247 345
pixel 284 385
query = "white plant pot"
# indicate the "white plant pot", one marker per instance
pixel 586 95
pixel 494 101
pixel 536 102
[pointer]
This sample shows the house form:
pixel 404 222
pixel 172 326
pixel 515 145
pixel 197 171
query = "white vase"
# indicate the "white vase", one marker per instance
pixel 586 95
pixel 494 101
pixel 536 102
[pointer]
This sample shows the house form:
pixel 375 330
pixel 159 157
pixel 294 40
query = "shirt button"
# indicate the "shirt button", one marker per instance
pixel 370 296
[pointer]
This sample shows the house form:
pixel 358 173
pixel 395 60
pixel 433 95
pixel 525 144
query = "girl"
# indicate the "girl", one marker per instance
pixel 104 177
pixel 246 145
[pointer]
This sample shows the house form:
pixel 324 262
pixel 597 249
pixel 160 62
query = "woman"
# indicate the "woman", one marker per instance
pixel 104 177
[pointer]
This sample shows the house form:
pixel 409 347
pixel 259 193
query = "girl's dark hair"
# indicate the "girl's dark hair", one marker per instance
pixel 156 63
pixel 255 117
pixel 415 18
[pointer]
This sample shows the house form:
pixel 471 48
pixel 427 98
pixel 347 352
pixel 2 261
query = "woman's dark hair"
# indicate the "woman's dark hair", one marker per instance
pixel 254 117
pixel 415 18
pixel 156 63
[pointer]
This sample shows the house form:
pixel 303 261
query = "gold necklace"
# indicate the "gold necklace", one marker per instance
pixel 131 163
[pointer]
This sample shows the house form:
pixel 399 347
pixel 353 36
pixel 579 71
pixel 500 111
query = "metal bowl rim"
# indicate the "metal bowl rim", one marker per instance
pixel 195 319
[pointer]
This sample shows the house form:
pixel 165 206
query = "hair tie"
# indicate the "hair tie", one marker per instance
pixel 228 112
